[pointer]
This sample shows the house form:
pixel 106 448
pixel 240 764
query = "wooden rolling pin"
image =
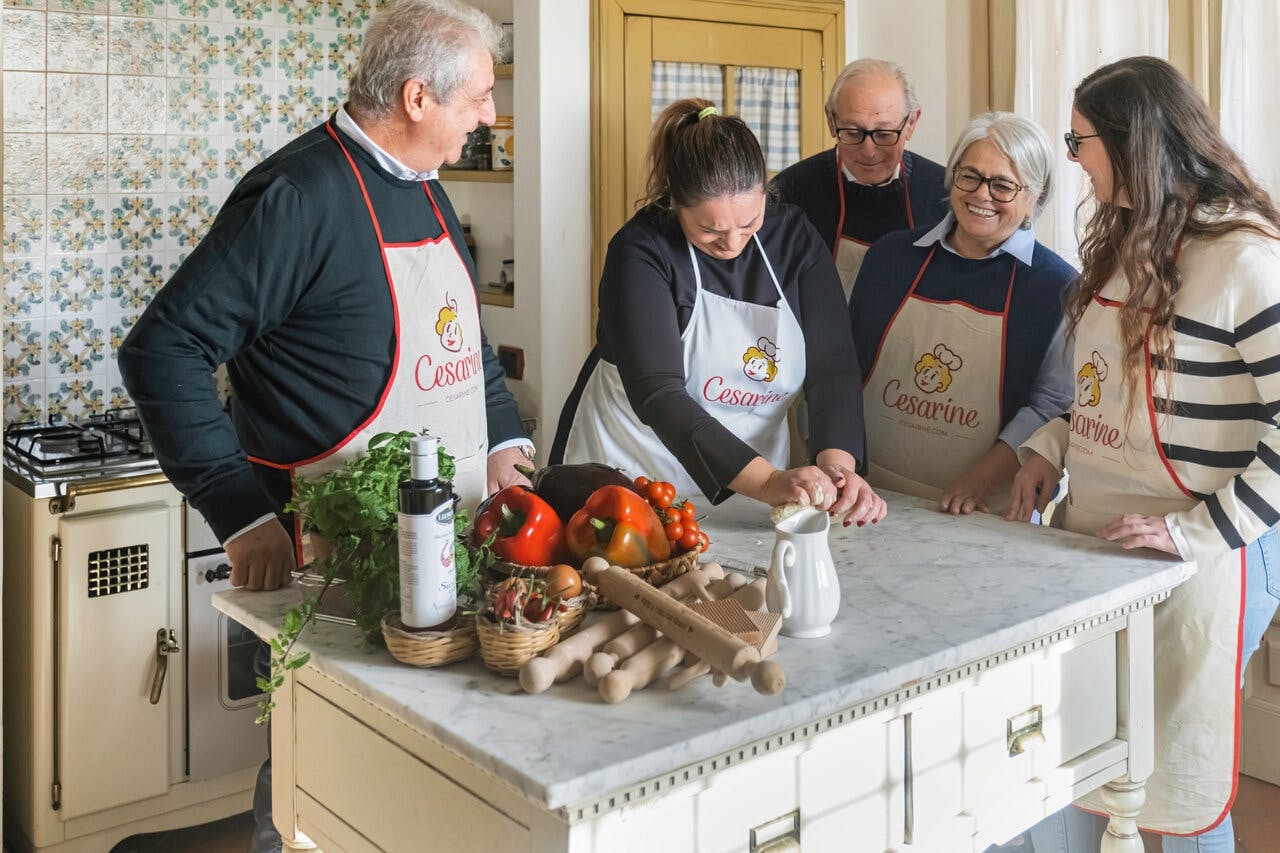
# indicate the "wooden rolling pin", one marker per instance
pixel 685 627
pixel 639 670
pixel 640 636
pixel 564 660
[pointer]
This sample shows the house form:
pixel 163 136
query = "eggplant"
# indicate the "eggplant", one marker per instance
pixel 567 487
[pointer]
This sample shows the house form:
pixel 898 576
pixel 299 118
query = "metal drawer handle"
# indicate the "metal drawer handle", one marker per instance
pixel 1025 730
pixel 166 644
pixel 778 835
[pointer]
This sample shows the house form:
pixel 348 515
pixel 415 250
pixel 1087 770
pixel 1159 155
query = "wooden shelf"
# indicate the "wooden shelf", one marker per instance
pixel 503 71
pixel 480 175
pixel 492 296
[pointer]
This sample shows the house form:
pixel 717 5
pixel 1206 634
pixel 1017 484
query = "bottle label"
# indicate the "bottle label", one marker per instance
pixel 428 579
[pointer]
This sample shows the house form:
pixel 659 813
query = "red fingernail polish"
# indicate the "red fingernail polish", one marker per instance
pixel 875 521
pixel 848 524
pixel 860 523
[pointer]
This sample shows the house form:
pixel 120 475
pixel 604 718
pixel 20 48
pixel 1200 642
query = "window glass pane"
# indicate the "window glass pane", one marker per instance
pixel 769 102
pixel 675 80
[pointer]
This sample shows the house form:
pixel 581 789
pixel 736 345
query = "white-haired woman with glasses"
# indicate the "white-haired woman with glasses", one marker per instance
pixel 957 327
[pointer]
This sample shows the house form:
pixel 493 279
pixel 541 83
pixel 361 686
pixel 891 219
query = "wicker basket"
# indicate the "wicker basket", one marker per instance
pixel 429 648
pixel 505 648
pixel 571 618
pixel 655 574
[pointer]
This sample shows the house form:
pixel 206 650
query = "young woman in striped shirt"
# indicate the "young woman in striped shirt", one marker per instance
pixel 1171 440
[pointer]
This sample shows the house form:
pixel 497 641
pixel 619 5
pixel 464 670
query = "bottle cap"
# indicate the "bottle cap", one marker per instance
pixel 424 457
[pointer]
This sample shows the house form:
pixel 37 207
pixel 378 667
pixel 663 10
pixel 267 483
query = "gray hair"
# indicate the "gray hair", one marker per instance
pixel 1021 140
pixel 868 67
pixel 424 40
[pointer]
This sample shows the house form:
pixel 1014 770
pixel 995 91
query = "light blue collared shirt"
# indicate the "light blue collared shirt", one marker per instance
pixel 389 164
pixel 1051 391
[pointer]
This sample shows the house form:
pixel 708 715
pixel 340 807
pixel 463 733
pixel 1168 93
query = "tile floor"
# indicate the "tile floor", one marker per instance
pixel 1256 815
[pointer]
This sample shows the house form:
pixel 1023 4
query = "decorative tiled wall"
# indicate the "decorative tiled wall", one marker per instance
pixel 126 123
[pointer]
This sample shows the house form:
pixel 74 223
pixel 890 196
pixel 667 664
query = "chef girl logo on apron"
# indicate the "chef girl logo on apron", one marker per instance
pixel 934 369
pixel 760 362
pixel 1089 379
pixel 447 326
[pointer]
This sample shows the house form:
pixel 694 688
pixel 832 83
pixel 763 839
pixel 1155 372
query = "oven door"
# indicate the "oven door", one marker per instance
pixel 222 693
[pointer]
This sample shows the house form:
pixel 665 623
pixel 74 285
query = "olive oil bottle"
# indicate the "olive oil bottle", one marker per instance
pixel 428 581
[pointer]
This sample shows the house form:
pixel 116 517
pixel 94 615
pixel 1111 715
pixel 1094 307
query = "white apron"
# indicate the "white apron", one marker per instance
pixel 933 394
pixel 1118 467
pixel 849 253
pixel 743 363
pixel 437 374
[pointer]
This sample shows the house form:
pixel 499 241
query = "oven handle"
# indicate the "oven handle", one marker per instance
pixel 66 501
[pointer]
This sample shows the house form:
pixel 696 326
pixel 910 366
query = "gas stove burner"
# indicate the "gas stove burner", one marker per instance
pixel 58 450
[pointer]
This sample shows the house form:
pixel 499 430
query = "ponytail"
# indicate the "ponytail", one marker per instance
pixel 696 154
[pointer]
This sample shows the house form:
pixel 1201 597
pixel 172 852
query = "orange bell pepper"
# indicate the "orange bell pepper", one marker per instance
pixel 620 526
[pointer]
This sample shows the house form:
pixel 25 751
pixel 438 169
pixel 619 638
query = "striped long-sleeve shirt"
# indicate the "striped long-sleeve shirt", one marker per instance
pixel 1219 429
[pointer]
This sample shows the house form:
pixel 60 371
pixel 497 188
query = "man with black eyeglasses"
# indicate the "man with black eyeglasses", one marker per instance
pixel 868 184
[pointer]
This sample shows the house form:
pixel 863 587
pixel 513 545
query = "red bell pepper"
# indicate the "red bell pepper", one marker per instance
pixel 620 526
pixel 525 529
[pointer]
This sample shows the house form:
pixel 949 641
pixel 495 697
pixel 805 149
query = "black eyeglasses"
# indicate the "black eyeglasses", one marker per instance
pixel 1074 139
pixel 884 137
pixel 1002 189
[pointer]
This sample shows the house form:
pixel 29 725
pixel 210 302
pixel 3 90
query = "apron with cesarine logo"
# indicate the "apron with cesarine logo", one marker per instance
pixel 436 381
pixel 849 252
pixel 1118 466
pixel 744 364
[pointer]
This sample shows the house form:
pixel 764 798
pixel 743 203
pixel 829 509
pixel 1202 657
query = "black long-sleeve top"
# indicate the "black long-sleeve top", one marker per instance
pixel 647 293
pixel 289 289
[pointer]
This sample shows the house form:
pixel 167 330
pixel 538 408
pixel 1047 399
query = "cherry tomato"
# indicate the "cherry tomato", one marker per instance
pixel 692 525
pixel 687 511
pixel 674 531
pixel 642 483
pixel 660 494
pixel 689 540
pixel 704 541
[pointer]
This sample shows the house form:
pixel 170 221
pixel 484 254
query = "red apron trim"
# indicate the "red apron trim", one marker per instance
pixel 906 199
pixel 444 230
pixel 866 377
pixel 972 308
pixel 430 241
pixel 1151 415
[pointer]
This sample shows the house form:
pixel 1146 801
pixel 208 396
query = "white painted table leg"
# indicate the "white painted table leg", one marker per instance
pixel 284 811
pixel 1124 799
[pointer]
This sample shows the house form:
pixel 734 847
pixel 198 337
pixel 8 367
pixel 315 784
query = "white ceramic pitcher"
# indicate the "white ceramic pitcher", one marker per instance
pixel 802 584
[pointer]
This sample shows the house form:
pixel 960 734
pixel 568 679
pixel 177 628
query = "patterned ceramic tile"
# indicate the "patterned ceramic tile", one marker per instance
pixel 349 14
pixel 249 52
pixel 137 222
pixel 118 397
pixel 77 43
pixel 344 50
pixel 195 50
pixel 23 225
pixel 117 330
pixel 137 46
pixel 77 283
pixel 138 8
pixel 134 280
pixel 189 218
pixel 23 402
pixel 24 163
pixel 79 5
pixel 24 42
pixel 137 104
pixel 204 9
pixel 24 102
pixel 248 10
pixel 248 108
pixel 301 55
pixel 135 163
pixel 23 349
pixel 194 106
pixel 242 155
pixel 76 399
pixel 192 162
pixel 76 223
pixel 23 287
pixel 300 108
pixel 301 12
pixel 24 4
pixel 77 103
pixel 77 163
pixel 76 345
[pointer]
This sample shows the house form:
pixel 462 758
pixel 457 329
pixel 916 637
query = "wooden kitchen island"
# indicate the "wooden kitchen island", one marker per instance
pixel 980 674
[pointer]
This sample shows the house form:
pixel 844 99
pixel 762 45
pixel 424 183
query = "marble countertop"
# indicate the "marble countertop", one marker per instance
pixel 921 592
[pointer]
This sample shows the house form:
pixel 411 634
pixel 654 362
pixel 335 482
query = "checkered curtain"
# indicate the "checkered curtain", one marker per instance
pixel 675 80
pixel 769 102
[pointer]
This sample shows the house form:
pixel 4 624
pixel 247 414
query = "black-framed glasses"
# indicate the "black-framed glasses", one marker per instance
pixel 1002 189
pixel 1074 139
pixel 884 137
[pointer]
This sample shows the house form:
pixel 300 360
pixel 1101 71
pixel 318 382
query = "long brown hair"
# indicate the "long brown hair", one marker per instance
pixel 692 159
pixel 1166 157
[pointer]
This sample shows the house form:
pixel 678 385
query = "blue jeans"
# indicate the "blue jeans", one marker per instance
pixel 1074 831
pixel 265 837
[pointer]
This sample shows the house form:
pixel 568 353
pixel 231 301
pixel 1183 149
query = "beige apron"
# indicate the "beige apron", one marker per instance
pixel 1117 466
pixel 437 373
pixel 849 253
pixel 933 394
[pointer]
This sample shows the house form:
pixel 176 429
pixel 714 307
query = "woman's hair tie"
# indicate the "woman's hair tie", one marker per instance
pixel 707 111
